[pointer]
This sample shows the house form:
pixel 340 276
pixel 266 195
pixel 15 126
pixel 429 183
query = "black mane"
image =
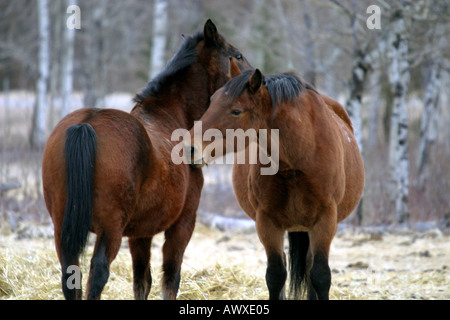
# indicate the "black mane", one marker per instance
pixel 185 56
pixel 282 87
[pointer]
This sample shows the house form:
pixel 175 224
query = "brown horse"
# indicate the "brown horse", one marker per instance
pixel 320 174
pixel 110 172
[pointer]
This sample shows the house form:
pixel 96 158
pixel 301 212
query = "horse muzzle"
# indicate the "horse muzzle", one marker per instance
pixel 194 156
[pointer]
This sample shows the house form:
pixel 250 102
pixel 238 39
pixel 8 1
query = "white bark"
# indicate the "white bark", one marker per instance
pixel 354 112
pixel 160 18
pixel 55 68
pixel 67 66
pixel 354 104
pixel 37 137
pixel 399 75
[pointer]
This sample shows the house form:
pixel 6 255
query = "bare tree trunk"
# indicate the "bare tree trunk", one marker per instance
pixel 360 70
pixel 102 44
pixel 55 68
pixel 160 17
pixel 91 60
pixel 354 107
pixel 374 105
pixel 67 66
pixel 428 129
pixel 37 136
pixel 399 75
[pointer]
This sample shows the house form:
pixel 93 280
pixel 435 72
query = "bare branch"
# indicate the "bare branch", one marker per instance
pixel 342 7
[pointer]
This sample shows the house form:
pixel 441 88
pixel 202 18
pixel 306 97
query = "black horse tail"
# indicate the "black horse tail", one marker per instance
pixel 298 249
pixel 80 154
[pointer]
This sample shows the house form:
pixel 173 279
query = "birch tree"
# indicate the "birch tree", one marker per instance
pixel 54 80
pixel 92 52
pixel 361 49
pixel 37 136
pixel 67 65
pixel 160 17
pixel 361 54
pixel 399 76
pixel 353 106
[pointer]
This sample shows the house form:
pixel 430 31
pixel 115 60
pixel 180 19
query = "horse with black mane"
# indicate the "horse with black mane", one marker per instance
pixel 110 172
pixel 319 178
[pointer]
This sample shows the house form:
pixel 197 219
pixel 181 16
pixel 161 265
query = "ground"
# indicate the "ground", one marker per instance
pixel 230 265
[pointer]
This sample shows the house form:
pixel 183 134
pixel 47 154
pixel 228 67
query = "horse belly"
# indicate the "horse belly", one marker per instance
pixel 354 182
pixel 286 199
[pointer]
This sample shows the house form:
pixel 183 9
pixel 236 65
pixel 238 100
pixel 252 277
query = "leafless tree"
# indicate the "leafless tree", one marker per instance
pixel 160 22
pixel 37 135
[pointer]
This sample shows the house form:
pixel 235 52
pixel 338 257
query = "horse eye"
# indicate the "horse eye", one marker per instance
pixel 239 57
pixel 235 112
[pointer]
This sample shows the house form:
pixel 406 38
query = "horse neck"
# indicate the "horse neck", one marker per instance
pixel 195 94
pixel 179 103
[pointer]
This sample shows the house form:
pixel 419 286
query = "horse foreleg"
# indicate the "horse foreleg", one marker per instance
pixel 142 277
pixel 272 239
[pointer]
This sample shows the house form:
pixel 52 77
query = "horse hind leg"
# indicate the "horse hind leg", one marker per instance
pixel 106 248
pixel 321 236
pixel 312 295
pixel 142 278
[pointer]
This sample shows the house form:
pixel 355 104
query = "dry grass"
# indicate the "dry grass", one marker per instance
pixel 232 266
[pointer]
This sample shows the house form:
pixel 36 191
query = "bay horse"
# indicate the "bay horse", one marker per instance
pixel 320 174
pixel 110 172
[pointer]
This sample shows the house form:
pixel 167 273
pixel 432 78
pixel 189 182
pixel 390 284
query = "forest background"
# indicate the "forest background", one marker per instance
pixel 387 62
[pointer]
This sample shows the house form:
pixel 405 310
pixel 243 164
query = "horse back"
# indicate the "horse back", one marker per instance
pixel 338 109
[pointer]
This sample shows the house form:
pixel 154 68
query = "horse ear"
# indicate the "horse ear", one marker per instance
pixel 255 81
pixel 234 69
pixel 210 32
